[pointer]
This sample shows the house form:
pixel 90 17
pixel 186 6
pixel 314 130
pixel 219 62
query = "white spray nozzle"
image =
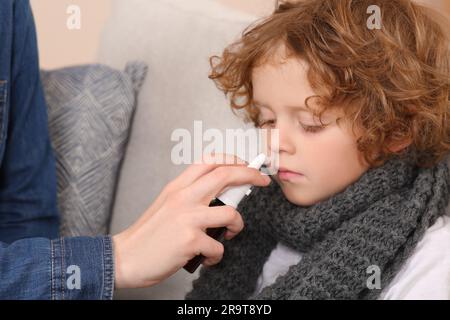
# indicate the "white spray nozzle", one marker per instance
pixel 258 161
pixel 234 195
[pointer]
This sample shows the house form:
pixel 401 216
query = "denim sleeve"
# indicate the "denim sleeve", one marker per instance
pixel 27 174
pixel 59 269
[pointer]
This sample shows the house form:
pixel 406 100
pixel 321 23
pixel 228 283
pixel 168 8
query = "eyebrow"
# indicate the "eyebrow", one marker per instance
pixel 300 107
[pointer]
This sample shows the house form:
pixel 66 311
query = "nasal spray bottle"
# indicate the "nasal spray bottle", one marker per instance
pixel 231 197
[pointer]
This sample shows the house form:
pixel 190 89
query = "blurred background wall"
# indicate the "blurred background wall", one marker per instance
pixel 59 46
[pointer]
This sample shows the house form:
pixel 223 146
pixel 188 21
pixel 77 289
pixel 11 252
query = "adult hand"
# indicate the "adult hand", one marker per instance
pixel 173 229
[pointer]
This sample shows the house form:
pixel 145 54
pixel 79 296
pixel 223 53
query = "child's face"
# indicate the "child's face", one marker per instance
pixel 327 158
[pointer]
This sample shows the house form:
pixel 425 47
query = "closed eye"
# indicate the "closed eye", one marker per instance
pixel 266 123
pixel 271 124
pixel 312 129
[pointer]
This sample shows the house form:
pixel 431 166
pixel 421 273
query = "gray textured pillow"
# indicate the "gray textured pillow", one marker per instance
pixel 90 110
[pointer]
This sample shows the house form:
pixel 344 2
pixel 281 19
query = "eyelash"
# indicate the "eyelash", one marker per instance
pixel 312 129
pixel 309 129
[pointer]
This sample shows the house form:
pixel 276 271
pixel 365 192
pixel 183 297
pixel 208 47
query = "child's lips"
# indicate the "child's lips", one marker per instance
pixel 285 174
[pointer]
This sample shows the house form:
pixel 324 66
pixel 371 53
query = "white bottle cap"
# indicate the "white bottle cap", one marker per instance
pixel 234 195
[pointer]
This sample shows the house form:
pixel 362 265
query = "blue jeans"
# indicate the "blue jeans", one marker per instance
pixel 34 262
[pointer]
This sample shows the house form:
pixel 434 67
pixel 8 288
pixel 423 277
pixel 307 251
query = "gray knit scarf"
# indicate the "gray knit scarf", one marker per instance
pixel 376 221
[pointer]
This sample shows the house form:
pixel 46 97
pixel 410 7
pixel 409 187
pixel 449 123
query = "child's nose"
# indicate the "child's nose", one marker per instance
pixel 286 143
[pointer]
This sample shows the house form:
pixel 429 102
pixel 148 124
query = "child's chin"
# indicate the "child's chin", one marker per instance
pixel 294 197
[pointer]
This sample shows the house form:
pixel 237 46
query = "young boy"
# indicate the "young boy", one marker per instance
pixel 363 116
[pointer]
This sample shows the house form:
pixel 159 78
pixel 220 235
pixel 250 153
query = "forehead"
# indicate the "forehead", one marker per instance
pixel 282 82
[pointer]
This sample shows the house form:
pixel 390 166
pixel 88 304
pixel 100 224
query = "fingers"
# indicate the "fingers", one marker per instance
pixel 192 173
pixel 208 164
pixel 217 217
pixel 212 250
pixel 222 159
pixel 210 185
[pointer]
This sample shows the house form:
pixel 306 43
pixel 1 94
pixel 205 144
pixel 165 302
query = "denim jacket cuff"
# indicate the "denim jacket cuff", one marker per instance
pixel 82 268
